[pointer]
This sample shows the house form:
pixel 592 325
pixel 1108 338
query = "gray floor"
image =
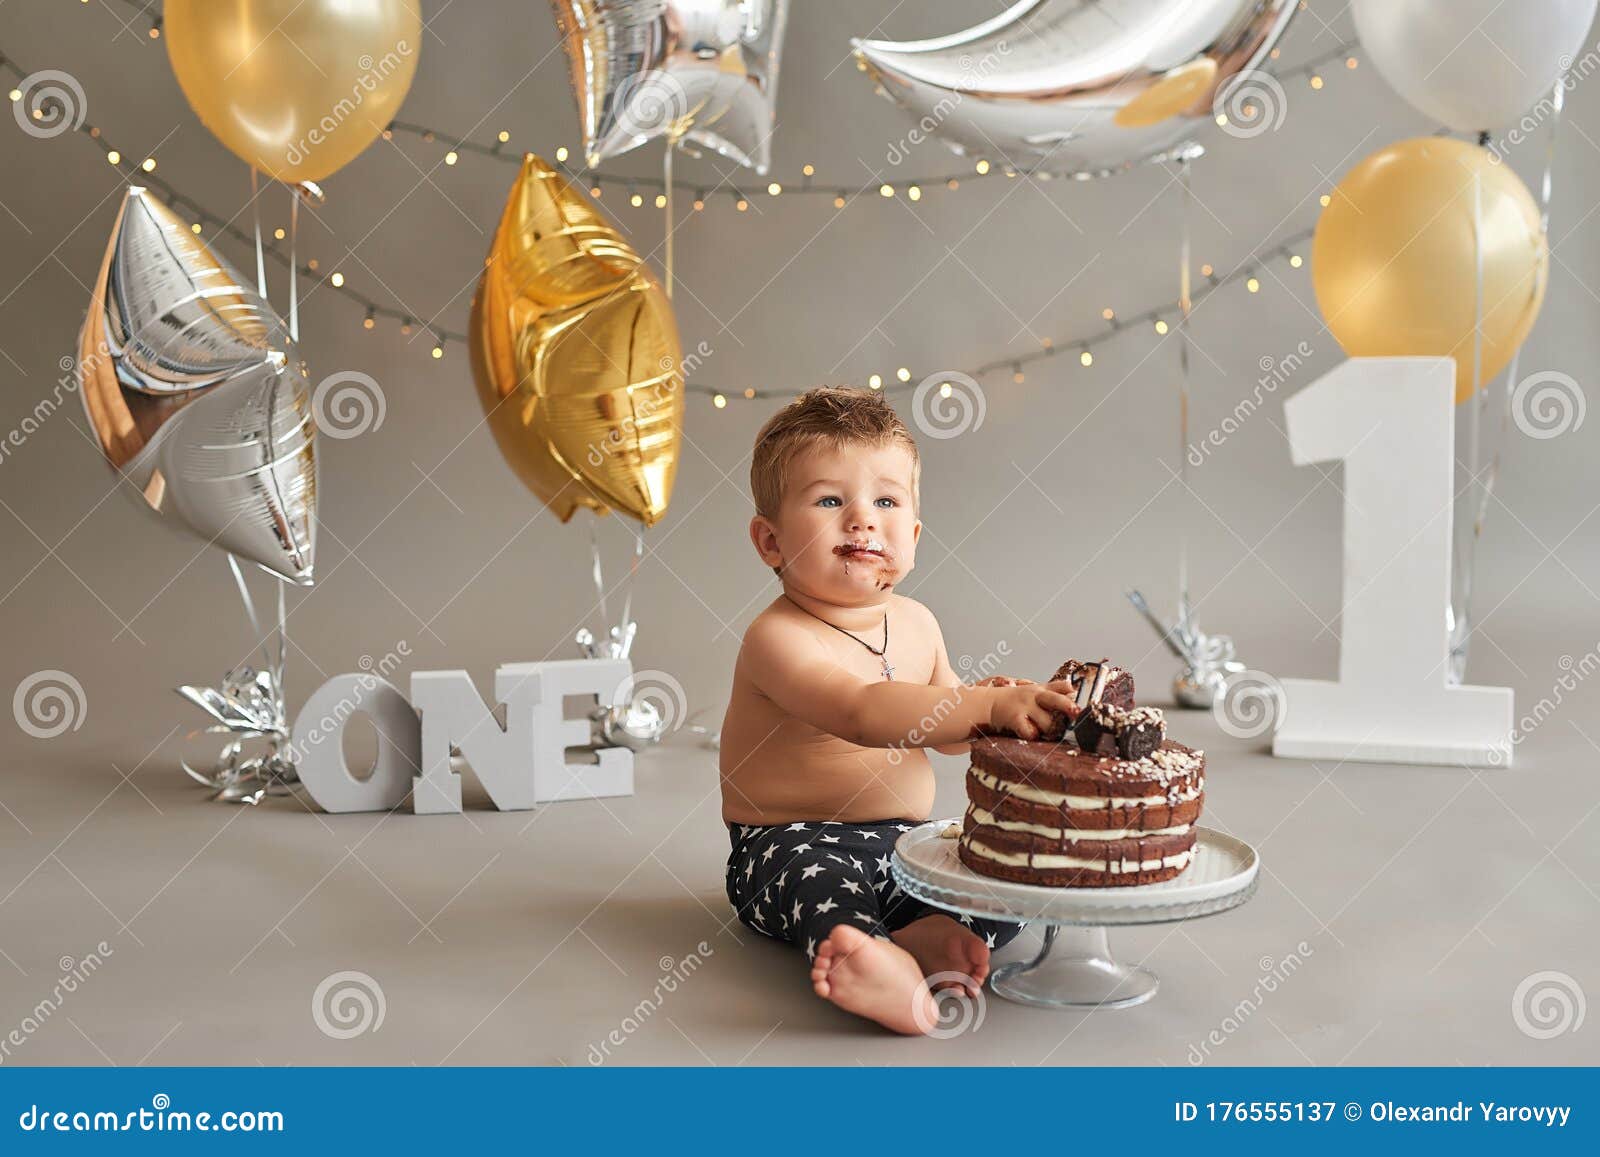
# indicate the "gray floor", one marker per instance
pixel 1423 897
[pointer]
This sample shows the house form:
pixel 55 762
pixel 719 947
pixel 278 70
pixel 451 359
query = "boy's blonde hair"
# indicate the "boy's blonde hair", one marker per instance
pixel 833 416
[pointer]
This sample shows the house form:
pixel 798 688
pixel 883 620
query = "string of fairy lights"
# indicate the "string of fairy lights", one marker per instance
pixel 1159 319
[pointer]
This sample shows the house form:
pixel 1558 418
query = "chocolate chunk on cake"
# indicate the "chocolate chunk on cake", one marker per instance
pixel 1133 733
pixel 1094 683
pixel 1054 814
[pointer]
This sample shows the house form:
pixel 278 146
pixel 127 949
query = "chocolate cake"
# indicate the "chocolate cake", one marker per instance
pixel 1113 805
pixel 1095 683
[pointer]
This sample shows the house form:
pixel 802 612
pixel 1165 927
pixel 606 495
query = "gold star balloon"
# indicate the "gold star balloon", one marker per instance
pixel 576 356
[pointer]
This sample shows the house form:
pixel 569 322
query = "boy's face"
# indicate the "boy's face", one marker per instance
pixel 847 530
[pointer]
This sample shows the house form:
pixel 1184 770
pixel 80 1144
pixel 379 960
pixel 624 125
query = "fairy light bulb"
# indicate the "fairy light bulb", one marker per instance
pixel 1252 285
pixel 1108 313
pixel 278 234
pixel 886 190
pixel 944 389
pixel 749 391
pixel 337 279
pixel 741 204
pixel 914 192
pixel 369 321
pixel 114 157
pixel 149 165
pixel 1161 326
pixel 1086 358
pixel 875 382
pixel 195 228
pixel 1295 260
pixel 718 401
pixel 661 200
pixel 838 202
pixel 982 167
pixel 561 154
pixel 636 200
pixel 774 189
pixel 1324 200
pixel 809 170
pixel 1316 81
pixel 903 374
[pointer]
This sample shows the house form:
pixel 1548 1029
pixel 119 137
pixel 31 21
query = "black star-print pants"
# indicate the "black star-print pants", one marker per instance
pixel 798 881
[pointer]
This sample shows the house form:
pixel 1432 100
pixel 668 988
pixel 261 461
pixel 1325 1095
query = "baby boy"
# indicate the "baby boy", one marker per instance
pixel 839 685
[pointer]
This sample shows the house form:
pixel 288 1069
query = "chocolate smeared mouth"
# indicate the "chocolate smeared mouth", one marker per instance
pixel 867 549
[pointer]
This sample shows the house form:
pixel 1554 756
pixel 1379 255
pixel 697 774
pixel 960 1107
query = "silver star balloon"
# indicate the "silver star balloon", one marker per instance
pixel 1078 87
pixel 701 71
pixel 196 394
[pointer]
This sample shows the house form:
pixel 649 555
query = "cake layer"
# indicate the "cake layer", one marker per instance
pixel 1066 871
pixel 1111 846
pixel 1171 771
pixel 1017 803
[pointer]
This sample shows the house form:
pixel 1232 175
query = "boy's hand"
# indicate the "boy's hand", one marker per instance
pixel 1025 710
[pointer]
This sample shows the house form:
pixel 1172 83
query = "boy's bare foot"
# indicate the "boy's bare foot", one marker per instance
pixel 873 978
pixel 941 944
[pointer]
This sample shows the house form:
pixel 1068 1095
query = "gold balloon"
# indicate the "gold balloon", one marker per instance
pixel 295 87
pixel 575 353
pixel 1394 259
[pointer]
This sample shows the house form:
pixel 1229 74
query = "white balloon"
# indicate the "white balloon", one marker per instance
pixel 1474 64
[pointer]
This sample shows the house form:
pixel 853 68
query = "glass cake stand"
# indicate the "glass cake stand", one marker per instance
pixel 1074 967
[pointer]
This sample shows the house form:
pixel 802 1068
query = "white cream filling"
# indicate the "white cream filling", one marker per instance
pixel 982 816
pixel 1099 802
pixel 1050 860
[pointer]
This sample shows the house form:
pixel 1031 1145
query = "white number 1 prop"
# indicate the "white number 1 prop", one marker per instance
pixel 1391 421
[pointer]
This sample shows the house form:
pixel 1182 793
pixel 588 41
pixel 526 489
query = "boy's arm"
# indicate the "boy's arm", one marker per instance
pixel 944 676
pixel 787 664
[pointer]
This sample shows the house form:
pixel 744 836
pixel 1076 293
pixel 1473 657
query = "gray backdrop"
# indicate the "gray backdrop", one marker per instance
pixel 1035 522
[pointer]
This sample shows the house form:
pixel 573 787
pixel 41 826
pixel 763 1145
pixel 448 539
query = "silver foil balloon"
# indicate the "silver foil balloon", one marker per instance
pixel 1078 87
pixel 196 394
pixel 703 71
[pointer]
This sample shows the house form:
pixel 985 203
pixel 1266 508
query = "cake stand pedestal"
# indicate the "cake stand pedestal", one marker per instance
pixel 1074 967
